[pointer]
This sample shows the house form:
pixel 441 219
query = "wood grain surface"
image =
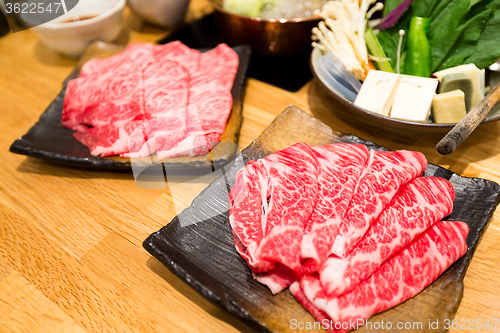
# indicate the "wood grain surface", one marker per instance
pixel 71 256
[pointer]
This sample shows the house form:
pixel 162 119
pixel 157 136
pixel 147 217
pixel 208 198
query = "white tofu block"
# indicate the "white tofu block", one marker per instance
pixel 378 92
pixel 414 99
pixel 449 107
pixel 475 74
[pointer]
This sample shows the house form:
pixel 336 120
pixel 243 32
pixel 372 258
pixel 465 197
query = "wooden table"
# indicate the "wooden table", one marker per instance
pixel 71 256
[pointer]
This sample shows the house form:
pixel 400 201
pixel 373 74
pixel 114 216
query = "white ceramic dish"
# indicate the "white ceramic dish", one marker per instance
pixel 71 38
pixel 166 13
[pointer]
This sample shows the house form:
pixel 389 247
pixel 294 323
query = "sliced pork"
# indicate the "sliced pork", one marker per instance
pixel 401 277
pixel 385 173
pixel 417 206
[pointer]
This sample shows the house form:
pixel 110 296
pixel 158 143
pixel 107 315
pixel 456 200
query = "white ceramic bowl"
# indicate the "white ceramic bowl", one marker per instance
pixel 71 38
pixel 166 13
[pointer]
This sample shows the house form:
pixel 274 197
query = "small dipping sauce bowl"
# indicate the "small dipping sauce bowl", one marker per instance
pixel 72 32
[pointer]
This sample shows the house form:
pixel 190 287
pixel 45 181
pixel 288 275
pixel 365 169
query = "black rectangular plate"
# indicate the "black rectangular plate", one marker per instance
pixel 197 245
pixel 49 140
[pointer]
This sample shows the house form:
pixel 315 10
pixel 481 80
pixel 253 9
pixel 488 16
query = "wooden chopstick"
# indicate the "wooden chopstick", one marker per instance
pixel 464 128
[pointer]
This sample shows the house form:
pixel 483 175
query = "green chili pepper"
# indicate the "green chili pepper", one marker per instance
pixel 419 55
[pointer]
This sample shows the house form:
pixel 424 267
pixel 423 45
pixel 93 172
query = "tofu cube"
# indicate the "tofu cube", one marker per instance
pixel 449 107
pixel 414 99
pixel 378 92
pixel 476 75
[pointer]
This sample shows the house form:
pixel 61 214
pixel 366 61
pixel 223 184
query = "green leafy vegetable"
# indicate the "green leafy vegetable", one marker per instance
pixel 466 44
pixel 425 8
pixel 390 40
pixel 441 6
pixel 487 49
pixel 446 29
pixel 390 5
pixel 377 51
pixel 462 31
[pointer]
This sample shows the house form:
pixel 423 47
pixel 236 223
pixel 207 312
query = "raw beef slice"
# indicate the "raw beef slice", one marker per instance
pixel 401 277
pixel 114 98
pixel 209 108
pixel 135 52
pixel 166 87
pixel 340 168
pixel 385 173
pixel 277 279
pixel 270 205
pixel 134 96
pixel 166 94
pixel 246 215
pixel 212 104
pixel 417 206
pixel 179 52
pixel 120 86
pixel 196 143
pixel 105 109
pixel 160 132
pixel 113 137
pixel 221 62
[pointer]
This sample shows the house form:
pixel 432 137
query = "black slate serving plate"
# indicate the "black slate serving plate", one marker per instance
pixel 198 246
pixel 49 140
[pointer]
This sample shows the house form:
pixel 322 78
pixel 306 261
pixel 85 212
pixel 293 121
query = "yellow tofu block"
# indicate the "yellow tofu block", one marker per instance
pixel 476 75
pixel 449 107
